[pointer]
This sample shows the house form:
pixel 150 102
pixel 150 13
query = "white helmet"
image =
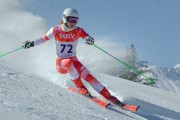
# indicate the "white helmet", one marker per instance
pixel 69 12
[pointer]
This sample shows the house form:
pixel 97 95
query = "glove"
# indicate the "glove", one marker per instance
pixel 27 44
pixel 89 40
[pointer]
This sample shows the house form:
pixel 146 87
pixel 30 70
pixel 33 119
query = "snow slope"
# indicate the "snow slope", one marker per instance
pixel 26 97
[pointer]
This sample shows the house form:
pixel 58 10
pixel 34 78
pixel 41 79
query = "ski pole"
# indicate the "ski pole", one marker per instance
pixel 10 52
pixel 125 64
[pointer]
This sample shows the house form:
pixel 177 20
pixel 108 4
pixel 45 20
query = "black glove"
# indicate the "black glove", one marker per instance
pixel 28 44
pixel 89 40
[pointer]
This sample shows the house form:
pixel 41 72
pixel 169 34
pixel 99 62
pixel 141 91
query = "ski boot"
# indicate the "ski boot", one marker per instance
pixel 81 88
pixel 105 93
pixel 83 91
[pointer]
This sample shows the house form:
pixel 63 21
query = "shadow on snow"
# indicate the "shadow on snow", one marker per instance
pixel 153 112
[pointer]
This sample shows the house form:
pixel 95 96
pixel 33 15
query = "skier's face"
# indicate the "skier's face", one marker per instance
pixel 71 24
pixel 71 21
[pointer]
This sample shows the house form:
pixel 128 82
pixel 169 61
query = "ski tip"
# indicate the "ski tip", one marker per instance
pixel 136 109
pixel 131 108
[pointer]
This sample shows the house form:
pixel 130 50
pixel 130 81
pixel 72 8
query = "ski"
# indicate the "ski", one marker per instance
pixel 132 108
pixel 92 98
pixel 128 107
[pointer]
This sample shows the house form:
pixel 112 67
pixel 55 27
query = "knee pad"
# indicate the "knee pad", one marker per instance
pixel 58 67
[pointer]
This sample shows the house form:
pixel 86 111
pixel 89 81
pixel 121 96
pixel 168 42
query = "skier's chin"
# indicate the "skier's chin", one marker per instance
pixel 71 26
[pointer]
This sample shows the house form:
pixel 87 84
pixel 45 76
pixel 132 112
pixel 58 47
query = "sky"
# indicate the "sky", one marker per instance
pixel 151 25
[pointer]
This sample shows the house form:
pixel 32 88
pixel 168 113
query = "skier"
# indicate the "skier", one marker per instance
pixel 66 35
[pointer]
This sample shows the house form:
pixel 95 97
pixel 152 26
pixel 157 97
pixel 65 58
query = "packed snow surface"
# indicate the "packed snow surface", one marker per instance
pixel 27 96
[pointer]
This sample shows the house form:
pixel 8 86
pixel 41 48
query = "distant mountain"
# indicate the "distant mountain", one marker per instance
pixel 177 68
pixel 168 78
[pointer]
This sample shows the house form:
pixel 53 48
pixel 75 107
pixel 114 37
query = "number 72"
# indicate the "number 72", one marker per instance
pixel 69 47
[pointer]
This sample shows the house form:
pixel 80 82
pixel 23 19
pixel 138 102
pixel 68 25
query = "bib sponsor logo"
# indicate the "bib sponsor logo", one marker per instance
pixel 66 36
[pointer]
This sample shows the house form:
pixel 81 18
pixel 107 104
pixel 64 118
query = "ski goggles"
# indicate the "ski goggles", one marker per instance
pixel 72 19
